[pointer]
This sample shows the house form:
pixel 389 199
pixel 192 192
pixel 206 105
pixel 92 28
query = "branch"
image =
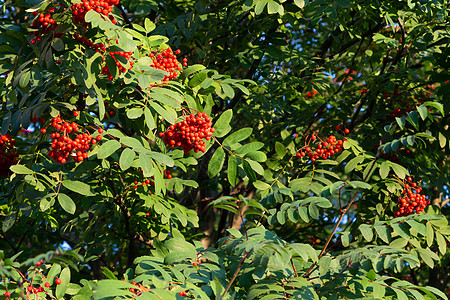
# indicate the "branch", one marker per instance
pixel 236 272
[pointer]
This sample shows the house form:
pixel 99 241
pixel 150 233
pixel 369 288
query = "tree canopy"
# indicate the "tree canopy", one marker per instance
pixel 258 149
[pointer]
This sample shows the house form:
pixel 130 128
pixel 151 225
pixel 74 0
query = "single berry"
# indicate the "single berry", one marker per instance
pixel 43 130
pixel 7 294
pixel 76 113
pixel 47 284
pixel 58 281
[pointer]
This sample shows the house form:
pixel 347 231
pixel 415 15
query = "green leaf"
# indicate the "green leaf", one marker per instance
pixel 9 221
pixel 249 171
pixel 135 113
pixel 108 148
pixel 250 147
pixel 222 126
pixel 65 280
pixel 300 3
pixel 366 231
pixel 234 232
pixel 145 162
pixel 442 244
pixel 232 172
pixel 419 227
pixel 400 171
pixel 261 185
pixel 442 140
pixel 423 111
pixel 436 105
pixel 78 187
pixel 384 170
pixel 66 203
pixel 255 166
pixel 256 156
pixel 216 162
pixel 324 264
pixel 430 234
pixel 162 158
pixel 149 25
pixel 237 136
pixel 126 159
pixel 280 150
pixel 20 169
pixel 383 233
pixel 351 165
pixel 190 70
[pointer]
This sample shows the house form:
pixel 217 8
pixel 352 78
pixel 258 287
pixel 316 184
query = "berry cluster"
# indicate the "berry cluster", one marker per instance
pixel 167 61
pixel 31 288
pixel 189 134
pixel 8 154
pixel 126 55
pixel 104 7
pixel 151 182
pixel 311 94
pixel 63 145
pixel 324 149
pixel 89 43
pixel 406 103
pixel 411 201
pixel 44 23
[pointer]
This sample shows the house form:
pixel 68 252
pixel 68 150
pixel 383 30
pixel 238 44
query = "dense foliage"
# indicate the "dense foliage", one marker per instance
pixel 287 150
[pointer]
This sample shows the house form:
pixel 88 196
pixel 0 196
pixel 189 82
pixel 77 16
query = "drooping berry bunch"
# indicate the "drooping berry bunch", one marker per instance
pixel 323 149
pixel 189 134
pixel 68 141
pixel 8 154
pixel 44 22
pixel 103 7
pixel 411 200
pixel 126 55
pixel 167 61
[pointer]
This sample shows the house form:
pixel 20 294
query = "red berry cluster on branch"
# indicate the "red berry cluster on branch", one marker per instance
pixel 324 149
pixel 103 7
pixel 89 43
pixel 311 94
pixel 44 22
pixel 167 61
pixel 67 141
pixel 151 181
pixel 8 154
pixel 189 134
pixel 126 55
pixel 411 201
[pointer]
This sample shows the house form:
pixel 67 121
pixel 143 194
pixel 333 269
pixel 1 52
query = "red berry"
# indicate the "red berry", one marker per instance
pixel 76 113
pixel 7 294
pixel 346 131
pixel 47 284
pixel 43 130
pixel 58 281
pixel 99 137
pixel 100 130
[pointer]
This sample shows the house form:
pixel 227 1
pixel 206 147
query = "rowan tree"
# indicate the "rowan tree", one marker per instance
pixel 258 149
